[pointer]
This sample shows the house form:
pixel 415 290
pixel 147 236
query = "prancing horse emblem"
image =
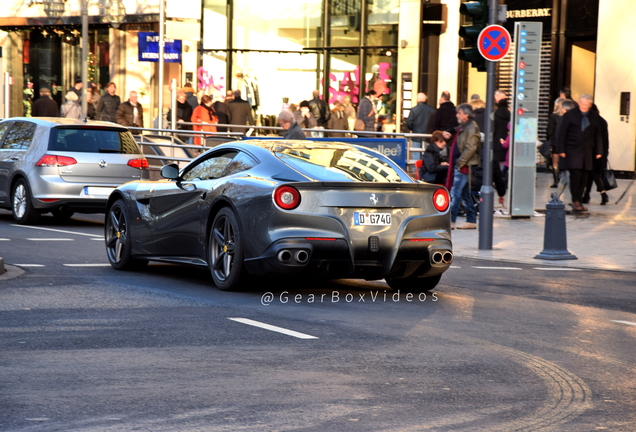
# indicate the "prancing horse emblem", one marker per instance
pixel 374 200
pixel 102 163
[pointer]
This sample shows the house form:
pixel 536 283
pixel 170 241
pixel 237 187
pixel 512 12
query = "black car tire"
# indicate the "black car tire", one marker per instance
pixel 21 204
pixel 410 284
pixel 62 215
pixel 225 251
pixel 118 240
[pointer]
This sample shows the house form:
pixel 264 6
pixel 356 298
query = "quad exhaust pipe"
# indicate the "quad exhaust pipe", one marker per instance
pixel 284 256
pixel 302 256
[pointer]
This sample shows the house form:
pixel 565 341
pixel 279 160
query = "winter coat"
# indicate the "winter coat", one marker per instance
pixel 550 133
pixel 320 109
pixel 419 119
pixel 580 147
pixel 45 107
pixel 240 114
pixel 601 164
pixel 432 171
pixel 184 113
pixel 294 133
pixel 203 114
pixel 468 143
pixel 445 118
pixel 338 121
pixel 107 108
pixel 222 112
pixel 480 119
pixel 500 130
pixel 126 114
pixel 71 109
pixel 305 122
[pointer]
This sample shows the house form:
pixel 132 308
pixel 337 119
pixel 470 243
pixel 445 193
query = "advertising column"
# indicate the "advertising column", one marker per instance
pixel 524 118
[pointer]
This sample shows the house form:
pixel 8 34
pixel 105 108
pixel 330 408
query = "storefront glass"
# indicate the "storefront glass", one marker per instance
pixel 215 28
pixel 344 22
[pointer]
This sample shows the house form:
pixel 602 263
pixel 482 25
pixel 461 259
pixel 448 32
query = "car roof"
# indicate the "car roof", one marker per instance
pixel 62 121
pixel 280 145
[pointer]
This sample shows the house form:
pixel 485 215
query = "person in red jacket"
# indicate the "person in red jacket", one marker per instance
pixel 205 115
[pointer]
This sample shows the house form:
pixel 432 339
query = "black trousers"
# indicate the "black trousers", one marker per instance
pixel 597 178
pixel 578 180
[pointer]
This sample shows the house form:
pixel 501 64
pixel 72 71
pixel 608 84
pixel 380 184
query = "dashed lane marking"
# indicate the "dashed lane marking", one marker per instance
pixel 273 328
pixel 556 268
pixel 5 239
pixel 57 230
pixel 624 322
pixel 49 239
pixel 87 265
pixel 455 267
pixel 497 268
pixel 29 265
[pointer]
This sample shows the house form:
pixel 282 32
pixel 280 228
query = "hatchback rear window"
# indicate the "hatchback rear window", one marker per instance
pixel 87 140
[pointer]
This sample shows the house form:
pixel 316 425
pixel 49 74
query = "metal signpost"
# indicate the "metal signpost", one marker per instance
pixel 493 44
pixel 524 120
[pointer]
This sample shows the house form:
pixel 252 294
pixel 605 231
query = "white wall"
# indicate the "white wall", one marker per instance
pixel 616 73
pixel 448 49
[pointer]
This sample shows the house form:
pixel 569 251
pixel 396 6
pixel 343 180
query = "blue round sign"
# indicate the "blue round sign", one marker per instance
pixel 494 42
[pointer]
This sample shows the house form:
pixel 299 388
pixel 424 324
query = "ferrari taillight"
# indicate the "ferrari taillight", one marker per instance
pixel 441 200
pixel 287 197
pixel 141 163
pixel 53 160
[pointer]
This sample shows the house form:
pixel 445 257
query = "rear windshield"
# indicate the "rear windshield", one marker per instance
pixel 341 164
pixel 91 140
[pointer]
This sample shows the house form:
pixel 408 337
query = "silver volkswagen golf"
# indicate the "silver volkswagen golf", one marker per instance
pixel 64 166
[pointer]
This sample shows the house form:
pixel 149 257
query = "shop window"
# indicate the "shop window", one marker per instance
pixel 344 22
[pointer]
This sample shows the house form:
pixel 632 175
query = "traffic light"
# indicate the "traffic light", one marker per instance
pixel 478 11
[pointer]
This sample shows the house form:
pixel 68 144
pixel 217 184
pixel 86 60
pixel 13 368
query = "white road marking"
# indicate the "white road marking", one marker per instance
pixel 624 322
pixel 273 328
pixel 86 265
pixel 497 268
pixel 455 267
pixel 49 239
pixel 5 239
pixel 557 268
pixel 98 239
pixel 56 230
pixel 29 265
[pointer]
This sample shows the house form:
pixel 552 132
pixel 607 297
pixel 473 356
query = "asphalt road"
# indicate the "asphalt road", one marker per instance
pixel 496 347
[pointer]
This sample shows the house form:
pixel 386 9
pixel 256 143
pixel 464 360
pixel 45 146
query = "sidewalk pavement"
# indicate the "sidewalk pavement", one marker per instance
pixel 602 238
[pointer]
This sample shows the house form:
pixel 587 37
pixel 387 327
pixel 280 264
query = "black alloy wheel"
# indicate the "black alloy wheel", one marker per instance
pixel 118 239
pixel 226 251
pixel 411 284
pixel 22 205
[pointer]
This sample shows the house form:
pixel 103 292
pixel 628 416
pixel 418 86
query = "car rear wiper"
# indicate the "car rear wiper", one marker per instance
pixel 105 150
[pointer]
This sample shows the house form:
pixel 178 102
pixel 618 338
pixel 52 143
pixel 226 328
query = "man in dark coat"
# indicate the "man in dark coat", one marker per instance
pixel 222 111
pixel 500 127
pixel 292 129
pixel 444 118
pixel 240 112
pixel 108 104
pixel 366 111
pixel 419 118
pixel 320 109
pixel 599 164
pixel 130 113
pixel 579 142
pixel 44 106
pixel 183 115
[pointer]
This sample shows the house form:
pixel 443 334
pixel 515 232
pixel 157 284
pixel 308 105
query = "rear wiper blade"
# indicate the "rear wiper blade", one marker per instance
pixel 105 150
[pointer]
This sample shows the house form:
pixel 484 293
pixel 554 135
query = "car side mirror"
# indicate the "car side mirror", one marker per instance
pixel 170 171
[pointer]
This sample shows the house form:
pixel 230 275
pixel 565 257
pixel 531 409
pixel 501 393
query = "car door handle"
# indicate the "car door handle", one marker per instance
pixel 203 195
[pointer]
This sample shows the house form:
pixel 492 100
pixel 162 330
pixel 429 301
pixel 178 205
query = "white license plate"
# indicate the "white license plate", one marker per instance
pixel 382 219
pixel 97 191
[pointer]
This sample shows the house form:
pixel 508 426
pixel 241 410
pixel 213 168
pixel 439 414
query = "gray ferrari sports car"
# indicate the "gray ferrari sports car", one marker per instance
pixel 259 207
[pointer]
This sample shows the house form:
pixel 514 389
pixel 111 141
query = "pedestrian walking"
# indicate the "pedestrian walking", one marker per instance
pixel 434 168
pixel 419 119
pixel 464 155
pixel 183 115
pixel 71 108
pixel 579 142
pixel 108 104
pixel 338 121
pixel 130 113
pixel 479 108
pixel 221 110
pixel 204 114
pixel 45 106
pixel 366 111
pixel 599 165
pixel 293 131
pixel 240 112
pixel 320 109
pixel 349 111
pixel 550 136
pixel 500 127
pixel 445 118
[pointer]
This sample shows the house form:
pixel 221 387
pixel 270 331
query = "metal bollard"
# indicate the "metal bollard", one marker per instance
pixel 555 245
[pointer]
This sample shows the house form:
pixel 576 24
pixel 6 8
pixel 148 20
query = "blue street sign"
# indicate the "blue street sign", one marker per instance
pixel 148 46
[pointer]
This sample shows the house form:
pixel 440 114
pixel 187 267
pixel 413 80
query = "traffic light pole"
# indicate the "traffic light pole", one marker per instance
pixel 486 193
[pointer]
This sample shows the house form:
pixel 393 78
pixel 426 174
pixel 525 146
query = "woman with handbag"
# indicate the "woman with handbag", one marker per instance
pixel 599 166
pixel 205 115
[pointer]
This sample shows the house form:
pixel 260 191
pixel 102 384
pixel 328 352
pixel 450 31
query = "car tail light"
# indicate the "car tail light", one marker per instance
pixel 53 160
pixel 441 200
pixel 141 163
pixel 287 197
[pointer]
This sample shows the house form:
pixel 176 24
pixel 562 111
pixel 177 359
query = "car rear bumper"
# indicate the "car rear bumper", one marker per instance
pixel 333 258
